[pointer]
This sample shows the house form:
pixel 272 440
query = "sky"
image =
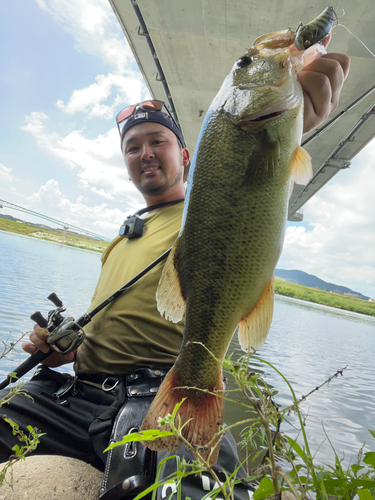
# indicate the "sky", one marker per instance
pixel 66 70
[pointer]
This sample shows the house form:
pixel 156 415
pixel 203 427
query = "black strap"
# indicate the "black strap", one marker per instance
pixel 154 207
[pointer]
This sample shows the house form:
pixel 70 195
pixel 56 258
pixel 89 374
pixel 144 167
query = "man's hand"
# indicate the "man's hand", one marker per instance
pixel 38 338
pixel 322 81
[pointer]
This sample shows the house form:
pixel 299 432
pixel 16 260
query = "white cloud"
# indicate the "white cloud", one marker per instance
pixel 90 99
pixel 94 28
pixel 97 162
pixel 6 173
pixel 35 126
pixel 340 247
pixel 96 31
pixel 97 218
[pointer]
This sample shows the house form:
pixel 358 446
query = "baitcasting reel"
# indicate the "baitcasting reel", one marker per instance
pixel 65 334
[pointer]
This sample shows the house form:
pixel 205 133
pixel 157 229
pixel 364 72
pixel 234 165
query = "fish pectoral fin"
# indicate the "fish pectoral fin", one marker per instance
pixel 263 160
pixel 253 329
pixel 302 170
pixel 169 299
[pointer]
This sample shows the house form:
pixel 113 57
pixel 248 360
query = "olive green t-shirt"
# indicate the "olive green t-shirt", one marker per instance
pixel 129 333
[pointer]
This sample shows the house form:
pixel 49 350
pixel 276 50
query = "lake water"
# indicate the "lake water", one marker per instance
pixel 308 343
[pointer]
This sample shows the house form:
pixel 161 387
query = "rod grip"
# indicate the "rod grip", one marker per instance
pixel 26 366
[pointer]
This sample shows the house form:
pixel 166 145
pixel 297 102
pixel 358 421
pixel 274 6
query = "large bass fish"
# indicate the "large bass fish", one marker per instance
pixel 220 271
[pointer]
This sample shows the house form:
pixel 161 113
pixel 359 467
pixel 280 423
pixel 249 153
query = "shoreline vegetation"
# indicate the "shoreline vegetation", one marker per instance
pixel 281 287
pixel 55 235
pixel 324 298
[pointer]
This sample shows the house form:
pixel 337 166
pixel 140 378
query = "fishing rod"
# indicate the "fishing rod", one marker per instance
pixel 66 334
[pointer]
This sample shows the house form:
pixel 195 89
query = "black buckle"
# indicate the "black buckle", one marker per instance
pixel 70 385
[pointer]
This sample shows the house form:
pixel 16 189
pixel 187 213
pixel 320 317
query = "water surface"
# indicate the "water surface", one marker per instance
pixel 307 342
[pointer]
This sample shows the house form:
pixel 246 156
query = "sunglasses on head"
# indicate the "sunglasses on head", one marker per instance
pixel 148 106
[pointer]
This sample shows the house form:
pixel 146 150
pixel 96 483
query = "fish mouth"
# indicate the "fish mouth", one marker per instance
pixel 268 116
pixel 261 86
pixel 272 111
pixel 257 119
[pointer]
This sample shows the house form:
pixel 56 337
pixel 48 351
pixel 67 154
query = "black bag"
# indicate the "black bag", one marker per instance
pixel 130 468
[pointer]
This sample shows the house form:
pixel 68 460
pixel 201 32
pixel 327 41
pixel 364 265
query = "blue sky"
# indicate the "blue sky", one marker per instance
pixel 66 70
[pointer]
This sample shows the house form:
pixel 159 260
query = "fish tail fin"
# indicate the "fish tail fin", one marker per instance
pixel 169 298
pixel 202 412
pixel 253 329
pixel 302 170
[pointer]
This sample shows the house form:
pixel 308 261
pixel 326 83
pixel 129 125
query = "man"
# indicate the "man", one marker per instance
pixel 128 342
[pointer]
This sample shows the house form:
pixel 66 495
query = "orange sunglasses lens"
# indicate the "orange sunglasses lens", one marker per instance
pixel 145 105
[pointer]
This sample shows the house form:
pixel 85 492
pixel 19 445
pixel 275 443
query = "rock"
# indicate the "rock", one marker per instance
pixel 43 477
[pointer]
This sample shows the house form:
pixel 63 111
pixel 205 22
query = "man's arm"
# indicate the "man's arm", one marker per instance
pixel 322 81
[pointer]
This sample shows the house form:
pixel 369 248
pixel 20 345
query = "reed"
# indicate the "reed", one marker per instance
pixel 287 468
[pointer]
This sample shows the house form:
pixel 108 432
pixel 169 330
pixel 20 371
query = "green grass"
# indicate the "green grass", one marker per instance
pixel 325 298
pixel 49 234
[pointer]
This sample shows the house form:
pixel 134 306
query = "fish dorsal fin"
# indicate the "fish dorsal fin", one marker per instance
pixel 169 297
pixel 301 166
pixel 253 329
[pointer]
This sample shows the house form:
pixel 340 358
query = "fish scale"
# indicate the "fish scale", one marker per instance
pixel 220 270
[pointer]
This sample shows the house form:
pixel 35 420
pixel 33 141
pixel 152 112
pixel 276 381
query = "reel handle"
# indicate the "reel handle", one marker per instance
pixel 39 319
pixel 55 300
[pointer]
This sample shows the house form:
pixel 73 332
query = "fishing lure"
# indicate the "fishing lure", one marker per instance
pixel 316 30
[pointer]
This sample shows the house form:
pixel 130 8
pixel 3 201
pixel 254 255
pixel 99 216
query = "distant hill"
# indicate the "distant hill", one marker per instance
pixel 10 217
pixel 304 279
pixel 15 219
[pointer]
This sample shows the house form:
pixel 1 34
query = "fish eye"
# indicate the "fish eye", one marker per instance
pixel 244 61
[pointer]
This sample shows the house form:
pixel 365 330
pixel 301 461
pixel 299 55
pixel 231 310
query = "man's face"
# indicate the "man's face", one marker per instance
pixel 154 159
